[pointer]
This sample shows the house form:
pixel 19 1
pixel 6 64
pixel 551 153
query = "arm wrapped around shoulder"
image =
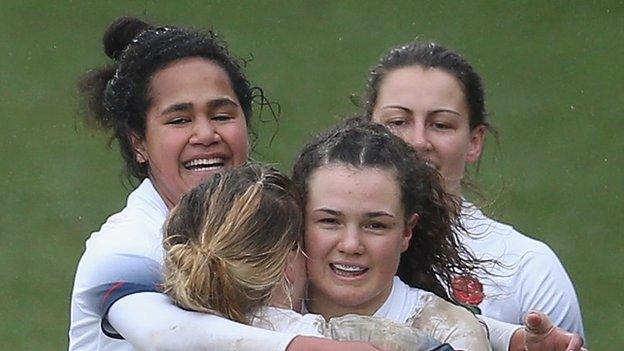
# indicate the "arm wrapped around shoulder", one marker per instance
pixel 451 324
pixel 382 333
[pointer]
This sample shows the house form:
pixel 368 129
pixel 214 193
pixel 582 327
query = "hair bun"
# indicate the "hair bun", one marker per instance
pixel 120 33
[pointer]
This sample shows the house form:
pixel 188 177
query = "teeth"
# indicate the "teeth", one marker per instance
pixel 203 164
pixel 348 268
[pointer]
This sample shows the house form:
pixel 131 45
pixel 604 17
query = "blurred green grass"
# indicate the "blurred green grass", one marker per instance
pixel 553 75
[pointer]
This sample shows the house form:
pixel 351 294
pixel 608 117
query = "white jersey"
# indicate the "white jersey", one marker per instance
pixel 126 257
pixel 383 333
pixel 528 276
pixel 438 318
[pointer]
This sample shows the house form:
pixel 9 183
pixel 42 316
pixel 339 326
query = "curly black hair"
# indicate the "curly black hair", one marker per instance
pixel 116 95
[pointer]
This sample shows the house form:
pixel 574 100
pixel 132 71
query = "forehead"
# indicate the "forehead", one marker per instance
pixel 349 188
pixel 416 84
pixel 190 79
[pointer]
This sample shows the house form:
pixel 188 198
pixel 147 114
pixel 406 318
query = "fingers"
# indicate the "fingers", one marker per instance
pixel 576 343
pixel 538 323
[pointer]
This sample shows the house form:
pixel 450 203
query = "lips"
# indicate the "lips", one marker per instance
pixel 347 270
pixel 205 164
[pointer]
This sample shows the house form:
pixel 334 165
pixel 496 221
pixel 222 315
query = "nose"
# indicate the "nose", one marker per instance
pixel 350 242
pixel 204 133
pixel 419 138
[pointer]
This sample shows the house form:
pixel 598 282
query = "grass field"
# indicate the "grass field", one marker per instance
pixel 553 73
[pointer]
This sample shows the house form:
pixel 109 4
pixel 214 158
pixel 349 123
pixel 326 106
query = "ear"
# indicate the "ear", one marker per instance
pixel 289 268
pixel 407 232
pixel 477 140
pixel 140 151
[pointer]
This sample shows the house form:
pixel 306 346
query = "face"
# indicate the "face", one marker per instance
pixel 355 233
pixel 427 108
pixel 195 127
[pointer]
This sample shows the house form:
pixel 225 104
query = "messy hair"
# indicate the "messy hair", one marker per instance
pixel 227 241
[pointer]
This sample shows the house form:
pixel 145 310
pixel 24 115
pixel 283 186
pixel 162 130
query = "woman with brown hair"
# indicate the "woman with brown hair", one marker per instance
pixel 232 248
pixel 432 98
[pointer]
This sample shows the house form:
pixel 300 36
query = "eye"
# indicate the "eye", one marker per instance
pixel 328 221
pixel 441 125
pixel 396 122
pixel 178 120
pixel 376 226
pixel 222 117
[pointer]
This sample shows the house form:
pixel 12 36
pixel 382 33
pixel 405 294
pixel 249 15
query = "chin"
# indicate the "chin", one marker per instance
pixel 350 299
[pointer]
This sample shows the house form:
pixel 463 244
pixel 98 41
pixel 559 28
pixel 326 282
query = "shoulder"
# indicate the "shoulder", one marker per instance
pixel 489 238
pixel 453 324
pixel 126 253
pixel 138 226
pixel 524 266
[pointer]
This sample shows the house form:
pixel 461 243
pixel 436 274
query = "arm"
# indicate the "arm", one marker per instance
pixel 150 322
pixel 501 334
pixel 539 334
pixel 452 324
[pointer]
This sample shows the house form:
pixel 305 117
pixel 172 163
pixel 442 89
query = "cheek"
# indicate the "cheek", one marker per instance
pixel 238 141
pixel 316 249
pixel 165 144
pixel 453 153
pixel 388 254
pixel 313 245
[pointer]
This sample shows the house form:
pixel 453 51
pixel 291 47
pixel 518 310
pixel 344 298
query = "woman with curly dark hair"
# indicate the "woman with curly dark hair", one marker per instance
pixel 233 248
pixel 179 106
pixel 373 210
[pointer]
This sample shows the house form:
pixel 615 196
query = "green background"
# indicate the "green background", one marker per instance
pixel 553 74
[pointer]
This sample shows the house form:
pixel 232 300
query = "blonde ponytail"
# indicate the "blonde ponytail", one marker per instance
pixel 228 240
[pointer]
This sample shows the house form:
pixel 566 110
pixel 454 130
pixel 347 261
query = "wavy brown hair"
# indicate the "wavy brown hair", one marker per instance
pixel 227 241
pixel 435 254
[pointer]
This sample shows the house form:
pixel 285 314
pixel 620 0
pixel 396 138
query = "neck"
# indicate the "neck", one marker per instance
pixel 323 305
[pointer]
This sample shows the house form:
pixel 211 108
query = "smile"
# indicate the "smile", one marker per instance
pixel 205 164
pixel 346 270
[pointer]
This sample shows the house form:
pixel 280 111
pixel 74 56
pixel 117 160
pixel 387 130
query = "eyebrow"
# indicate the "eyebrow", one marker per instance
pixel 378 214
pixel 446 110
pixel 373 214
pixel 328 211
pixel 399 107
pixel 185 106
pixel 216 103
pixel 212 104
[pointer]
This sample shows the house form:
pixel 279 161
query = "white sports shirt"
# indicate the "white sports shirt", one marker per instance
pixel 529 275
pixel 125 257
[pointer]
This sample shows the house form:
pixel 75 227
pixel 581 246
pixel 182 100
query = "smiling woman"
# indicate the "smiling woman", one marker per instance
pixel 373 210
pixel 179 105
pixel 195 127
pixel 348 212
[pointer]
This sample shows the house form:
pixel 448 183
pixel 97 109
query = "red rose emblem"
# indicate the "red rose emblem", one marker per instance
pixel 467 290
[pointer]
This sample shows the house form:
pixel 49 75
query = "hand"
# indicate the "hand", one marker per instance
pixel 541 335
pixel 310 343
